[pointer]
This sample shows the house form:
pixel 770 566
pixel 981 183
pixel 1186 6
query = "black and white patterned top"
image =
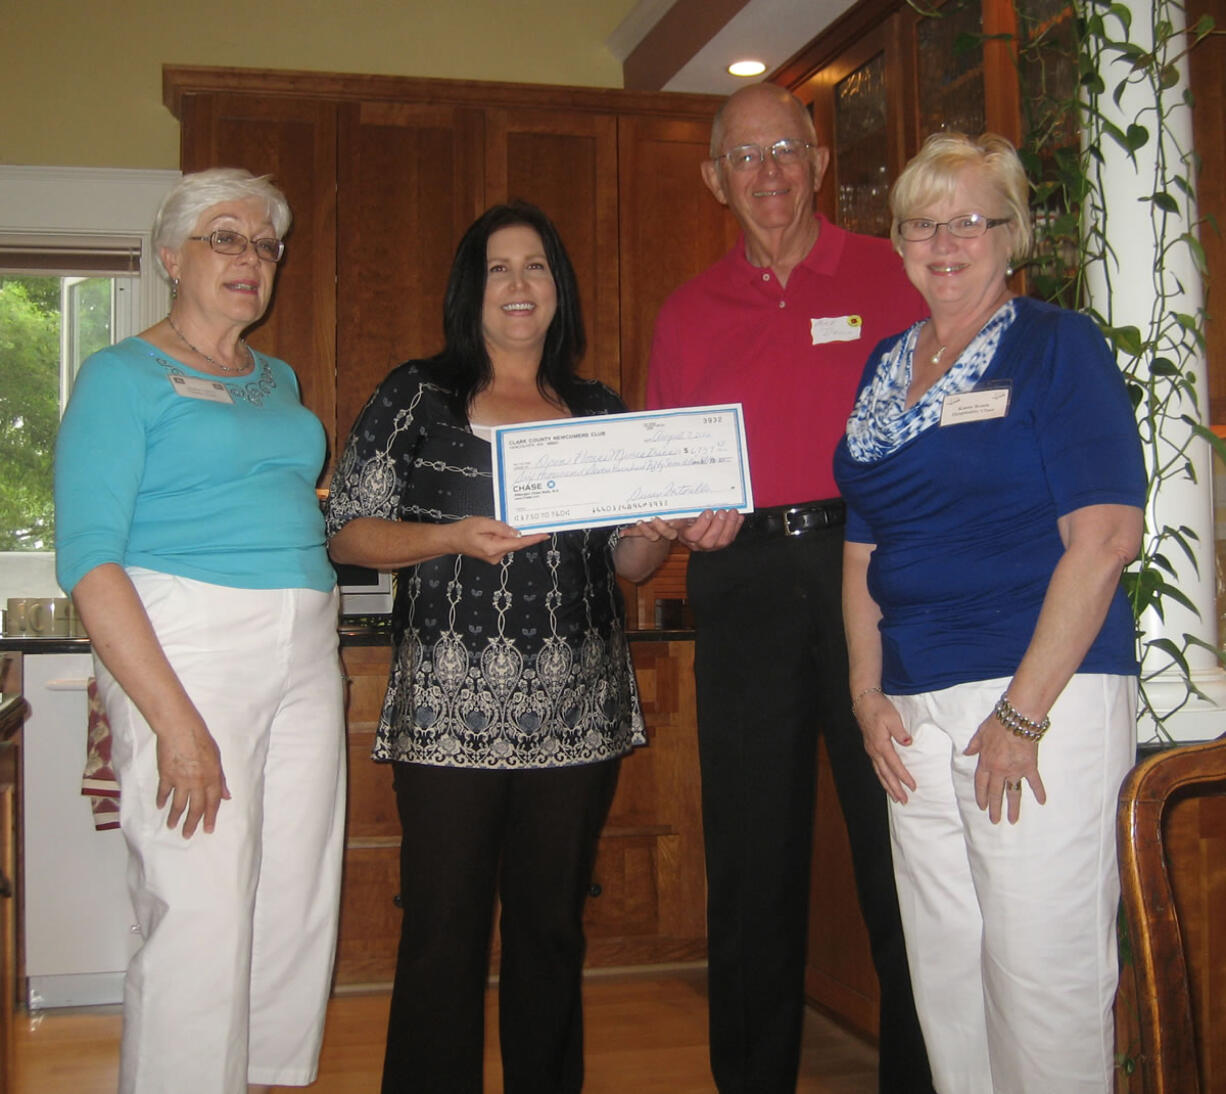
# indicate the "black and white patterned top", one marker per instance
pixel 523 664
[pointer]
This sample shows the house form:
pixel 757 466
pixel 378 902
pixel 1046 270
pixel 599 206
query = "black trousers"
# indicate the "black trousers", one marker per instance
pixel 530 835
pixel 771 673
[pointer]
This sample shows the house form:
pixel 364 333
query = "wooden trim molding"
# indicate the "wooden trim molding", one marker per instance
pixel 843 33
pixel 181 80
pixel 682 31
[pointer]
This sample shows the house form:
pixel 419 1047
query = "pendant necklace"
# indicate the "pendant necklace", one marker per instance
pixel 218 364
pixel 935 359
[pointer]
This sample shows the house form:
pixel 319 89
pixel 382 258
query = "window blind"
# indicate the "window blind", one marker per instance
pixel 69 255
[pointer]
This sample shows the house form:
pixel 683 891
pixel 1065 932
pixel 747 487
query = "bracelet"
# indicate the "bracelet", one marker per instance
pixel 1018 724
pixel 867 691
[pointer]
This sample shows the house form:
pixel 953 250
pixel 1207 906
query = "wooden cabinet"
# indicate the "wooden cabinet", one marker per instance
pixel 671 229
pixel 370 915
pixel 883 77
pixel 384 174
pixel 296 142
pixel 407 187
pixel 648 902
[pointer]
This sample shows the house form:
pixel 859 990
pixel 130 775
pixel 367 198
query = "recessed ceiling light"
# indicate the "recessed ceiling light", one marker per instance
pixel 747 68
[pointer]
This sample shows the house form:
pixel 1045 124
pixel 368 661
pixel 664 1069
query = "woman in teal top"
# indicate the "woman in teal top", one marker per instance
pixel 190 537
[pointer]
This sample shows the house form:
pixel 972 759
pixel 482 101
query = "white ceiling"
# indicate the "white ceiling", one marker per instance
pixel 766 30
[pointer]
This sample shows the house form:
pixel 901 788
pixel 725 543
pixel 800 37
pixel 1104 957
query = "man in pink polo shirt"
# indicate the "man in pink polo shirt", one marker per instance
pixel 782 324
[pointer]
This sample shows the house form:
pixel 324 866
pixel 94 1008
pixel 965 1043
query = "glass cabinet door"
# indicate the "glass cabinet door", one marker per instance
pixel 862 146
pixel 949 64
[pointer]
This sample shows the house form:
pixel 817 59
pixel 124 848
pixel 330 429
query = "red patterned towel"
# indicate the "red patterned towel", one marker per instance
pixel 98 781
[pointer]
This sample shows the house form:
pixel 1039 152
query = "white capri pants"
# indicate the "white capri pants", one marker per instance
pixel 231 982
pixel 1011 928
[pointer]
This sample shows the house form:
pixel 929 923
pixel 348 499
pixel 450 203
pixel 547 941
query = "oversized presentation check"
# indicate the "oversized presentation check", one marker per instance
pixel 619 468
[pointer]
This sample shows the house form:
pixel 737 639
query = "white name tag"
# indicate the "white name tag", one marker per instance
pixel 196 387
pixel 975 406
pixel 836 328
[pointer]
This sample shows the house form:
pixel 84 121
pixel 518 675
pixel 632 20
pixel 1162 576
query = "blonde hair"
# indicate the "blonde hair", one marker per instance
pixel 932 175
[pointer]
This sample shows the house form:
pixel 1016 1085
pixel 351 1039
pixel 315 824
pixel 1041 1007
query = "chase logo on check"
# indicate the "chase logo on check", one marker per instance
pixel 533 489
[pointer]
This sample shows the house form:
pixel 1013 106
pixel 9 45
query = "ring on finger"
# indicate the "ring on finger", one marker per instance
pixel 1015 784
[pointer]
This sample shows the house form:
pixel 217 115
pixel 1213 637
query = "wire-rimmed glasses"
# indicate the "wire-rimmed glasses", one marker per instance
pixel 747 157
pixel 966 226
pixel 226 242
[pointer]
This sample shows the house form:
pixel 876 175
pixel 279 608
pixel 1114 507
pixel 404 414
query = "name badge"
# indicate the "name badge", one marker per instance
pixel 980 405
pixel 836 328
pixel 196 387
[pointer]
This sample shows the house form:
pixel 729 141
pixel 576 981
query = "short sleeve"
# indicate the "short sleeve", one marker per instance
pixel 857 529
pixel 369 480
pixel 1087 431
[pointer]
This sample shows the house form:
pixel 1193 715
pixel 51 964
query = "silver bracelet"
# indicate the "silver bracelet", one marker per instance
pixel 1018 724
pixel 867 691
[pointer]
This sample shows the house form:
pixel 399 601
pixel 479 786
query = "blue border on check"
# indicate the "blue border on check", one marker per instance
pixel 562 426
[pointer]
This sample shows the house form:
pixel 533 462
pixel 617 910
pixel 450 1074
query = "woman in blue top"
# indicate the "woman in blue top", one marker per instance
pixel 994 482
pixel 190 536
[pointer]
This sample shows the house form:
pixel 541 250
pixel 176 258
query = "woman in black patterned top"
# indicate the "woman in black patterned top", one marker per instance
pixel 511 696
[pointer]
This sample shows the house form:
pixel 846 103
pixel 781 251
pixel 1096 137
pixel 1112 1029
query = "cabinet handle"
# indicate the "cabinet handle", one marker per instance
pixel 594 889
pixel 67 684
pixel 398 901
pixel 6 887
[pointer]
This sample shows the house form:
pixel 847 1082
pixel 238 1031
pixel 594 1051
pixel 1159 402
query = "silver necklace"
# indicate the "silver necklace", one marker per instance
pixel 935 359
pixel 216 364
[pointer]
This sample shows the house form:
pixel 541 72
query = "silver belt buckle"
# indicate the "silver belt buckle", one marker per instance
pixel 788 530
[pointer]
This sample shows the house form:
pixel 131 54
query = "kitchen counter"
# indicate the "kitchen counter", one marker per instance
pixel 351 635
pixel 32 643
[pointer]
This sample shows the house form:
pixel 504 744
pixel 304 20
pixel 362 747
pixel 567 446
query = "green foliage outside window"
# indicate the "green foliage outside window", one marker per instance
pixel 31 336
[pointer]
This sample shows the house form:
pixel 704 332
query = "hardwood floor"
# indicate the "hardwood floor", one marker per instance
pixel 645 1033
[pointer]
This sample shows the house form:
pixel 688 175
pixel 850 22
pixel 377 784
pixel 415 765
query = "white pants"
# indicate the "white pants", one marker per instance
pixel 231 982
pixel 1011 928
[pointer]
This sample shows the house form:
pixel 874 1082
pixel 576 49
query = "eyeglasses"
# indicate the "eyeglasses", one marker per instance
pixel 225 242
pixel 967 226
pixel 747 157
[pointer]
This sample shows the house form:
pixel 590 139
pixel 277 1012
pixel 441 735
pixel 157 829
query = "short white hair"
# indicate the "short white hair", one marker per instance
pixel 183 205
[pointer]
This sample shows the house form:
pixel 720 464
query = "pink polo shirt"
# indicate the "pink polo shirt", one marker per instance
pixel 792 355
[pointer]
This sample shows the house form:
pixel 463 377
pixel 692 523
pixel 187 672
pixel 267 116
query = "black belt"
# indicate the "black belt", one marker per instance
pixel 795 520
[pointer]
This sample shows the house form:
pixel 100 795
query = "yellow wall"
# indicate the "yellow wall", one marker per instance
pixel 81 80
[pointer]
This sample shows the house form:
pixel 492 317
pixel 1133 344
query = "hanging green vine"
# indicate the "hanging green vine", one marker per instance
pixel 1067 129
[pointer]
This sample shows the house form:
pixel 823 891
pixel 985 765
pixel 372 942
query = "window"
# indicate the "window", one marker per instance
pixel 76 274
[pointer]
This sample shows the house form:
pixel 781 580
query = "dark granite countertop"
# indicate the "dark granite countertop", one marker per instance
pixel 351 635
pixel 32 643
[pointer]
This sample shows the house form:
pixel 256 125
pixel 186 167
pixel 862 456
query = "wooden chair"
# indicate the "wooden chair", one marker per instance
pixel 1169 1037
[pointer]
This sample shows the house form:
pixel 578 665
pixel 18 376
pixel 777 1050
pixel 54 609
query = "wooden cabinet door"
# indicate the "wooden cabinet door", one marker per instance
pixel 648 902
pixel 566 163
pixel 294 140
pixel 370 911
pixel 671 228
pixel 409 185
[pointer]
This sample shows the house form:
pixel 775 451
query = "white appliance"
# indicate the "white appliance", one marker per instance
pixel 79 926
